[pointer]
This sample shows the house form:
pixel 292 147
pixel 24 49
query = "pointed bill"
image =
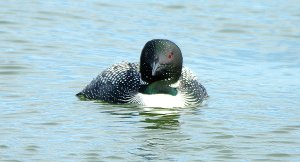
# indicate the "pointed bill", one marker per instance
pixel 155 66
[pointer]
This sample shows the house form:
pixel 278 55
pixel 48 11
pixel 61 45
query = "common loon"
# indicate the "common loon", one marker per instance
pixel 159 80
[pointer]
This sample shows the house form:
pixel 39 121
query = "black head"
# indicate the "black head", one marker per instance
pixel 161 59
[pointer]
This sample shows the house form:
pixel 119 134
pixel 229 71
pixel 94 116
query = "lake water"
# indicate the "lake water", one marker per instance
pixel 247 54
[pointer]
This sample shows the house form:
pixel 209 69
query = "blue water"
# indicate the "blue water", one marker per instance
pixel 245 53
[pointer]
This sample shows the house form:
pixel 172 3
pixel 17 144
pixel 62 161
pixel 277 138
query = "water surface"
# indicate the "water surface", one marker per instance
pixel 245 53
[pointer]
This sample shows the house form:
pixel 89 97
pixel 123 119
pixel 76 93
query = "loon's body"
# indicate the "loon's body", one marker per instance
pixel 159 80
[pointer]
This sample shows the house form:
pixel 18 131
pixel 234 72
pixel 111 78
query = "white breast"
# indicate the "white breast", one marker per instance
pixel 161 100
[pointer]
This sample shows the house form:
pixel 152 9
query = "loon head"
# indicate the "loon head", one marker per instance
pixel 161 60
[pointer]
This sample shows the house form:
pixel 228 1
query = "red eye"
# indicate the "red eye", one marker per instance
pixel 170 55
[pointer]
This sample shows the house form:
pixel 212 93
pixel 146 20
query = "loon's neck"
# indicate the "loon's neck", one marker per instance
pixel 159 87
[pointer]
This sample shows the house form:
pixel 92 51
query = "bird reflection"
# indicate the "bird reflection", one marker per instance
pixel 160 121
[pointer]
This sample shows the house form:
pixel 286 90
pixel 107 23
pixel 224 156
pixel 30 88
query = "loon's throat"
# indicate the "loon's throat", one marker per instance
pixel 158 87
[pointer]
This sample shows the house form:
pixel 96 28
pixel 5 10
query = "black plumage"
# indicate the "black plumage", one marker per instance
pixel 159 68
pixel 117 84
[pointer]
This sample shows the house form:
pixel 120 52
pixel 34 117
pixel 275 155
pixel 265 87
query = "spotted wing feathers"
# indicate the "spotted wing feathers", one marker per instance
pixel 193 92
pixel 117 84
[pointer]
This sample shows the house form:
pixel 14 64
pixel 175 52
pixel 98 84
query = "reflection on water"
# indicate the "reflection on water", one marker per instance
pixel 154 118
pixel 246 54
pixel 161 121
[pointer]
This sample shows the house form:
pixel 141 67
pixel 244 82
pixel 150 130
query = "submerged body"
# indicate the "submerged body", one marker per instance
pixel 159 80
pixel 121 83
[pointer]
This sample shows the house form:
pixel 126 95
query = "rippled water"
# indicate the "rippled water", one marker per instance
pixel 247 54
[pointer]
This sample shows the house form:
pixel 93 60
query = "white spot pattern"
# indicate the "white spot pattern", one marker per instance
pixel 121 83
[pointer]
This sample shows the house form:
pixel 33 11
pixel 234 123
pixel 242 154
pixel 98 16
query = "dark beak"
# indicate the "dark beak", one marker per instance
pixel 155 66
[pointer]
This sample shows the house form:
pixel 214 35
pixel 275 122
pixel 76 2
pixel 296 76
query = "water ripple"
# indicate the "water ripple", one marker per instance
pixel 246 55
